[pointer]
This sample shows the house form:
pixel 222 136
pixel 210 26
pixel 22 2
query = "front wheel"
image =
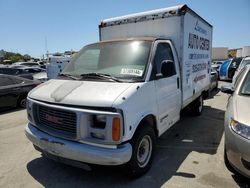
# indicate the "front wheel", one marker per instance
pixel 143 144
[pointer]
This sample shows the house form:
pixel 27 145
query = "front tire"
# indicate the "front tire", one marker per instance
pixel 143 144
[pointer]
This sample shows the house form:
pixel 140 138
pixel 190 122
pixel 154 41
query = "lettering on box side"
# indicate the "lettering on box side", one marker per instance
pixel 196 42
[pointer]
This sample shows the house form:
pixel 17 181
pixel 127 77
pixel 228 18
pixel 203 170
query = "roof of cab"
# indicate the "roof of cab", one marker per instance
pixel 131 39
pixel 149 39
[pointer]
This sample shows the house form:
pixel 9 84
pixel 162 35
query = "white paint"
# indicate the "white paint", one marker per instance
pixel 56 65
pixel 85 93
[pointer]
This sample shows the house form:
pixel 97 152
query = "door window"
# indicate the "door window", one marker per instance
pixel 163 53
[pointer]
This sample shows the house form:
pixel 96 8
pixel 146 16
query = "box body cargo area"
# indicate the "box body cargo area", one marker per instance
pixel 116 96
pixel 190 34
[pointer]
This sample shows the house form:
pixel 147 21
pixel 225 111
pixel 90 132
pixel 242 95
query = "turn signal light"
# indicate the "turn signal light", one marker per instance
pixel 116 129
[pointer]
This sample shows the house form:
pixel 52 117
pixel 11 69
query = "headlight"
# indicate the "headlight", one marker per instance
pixel 99 121
pixel 240 128
pixel 106 127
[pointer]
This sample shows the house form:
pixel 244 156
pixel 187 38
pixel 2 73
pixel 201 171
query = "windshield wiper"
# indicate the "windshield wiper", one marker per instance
pixel 100 75
pixel 69 76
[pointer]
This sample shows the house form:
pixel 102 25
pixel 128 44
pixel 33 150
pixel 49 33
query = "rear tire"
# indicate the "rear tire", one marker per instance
pixel 143 144
pixel 197 106
pixel 22 102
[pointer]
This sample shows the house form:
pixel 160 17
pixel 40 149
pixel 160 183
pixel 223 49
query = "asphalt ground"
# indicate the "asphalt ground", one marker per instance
pixel 188 155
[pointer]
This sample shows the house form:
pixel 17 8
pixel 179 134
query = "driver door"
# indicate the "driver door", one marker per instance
pixel 167 88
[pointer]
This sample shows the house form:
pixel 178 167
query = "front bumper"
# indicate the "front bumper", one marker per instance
pixel 237 150
pixel 78 151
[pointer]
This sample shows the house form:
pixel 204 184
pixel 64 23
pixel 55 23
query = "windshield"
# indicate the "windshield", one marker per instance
pixel 120 59
pixel 245 88
pixel 244 63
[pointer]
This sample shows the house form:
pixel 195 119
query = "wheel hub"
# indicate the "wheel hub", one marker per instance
pixel 144 151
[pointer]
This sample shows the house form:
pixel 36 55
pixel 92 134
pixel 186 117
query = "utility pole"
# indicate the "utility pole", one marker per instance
pixel 46 49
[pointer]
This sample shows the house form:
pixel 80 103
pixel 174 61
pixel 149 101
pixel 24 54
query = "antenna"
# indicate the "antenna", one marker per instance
pixel 46 49
pixel 46 44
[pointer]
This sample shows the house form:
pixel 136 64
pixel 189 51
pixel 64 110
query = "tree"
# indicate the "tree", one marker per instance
pixel 26 57
pixel 15 57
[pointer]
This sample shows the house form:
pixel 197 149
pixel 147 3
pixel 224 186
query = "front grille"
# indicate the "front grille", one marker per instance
pixel 56 121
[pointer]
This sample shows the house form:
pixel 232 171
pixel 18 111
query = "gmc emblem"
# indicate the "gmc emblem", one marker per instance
pixel 53 119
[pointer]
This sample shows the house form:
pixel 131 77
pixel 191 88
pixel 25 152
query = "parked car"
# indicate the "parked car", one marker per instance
pixel 237 124
pixel 32 70
pixel 14 90
pixel 16 72
pixel 16 66
pixel 30 64
pixel 228 68
pixel 41 76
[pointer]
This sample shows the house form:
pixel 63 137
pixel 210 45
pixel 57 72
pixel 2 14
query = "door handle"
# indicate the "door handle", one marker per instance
pixel 178 84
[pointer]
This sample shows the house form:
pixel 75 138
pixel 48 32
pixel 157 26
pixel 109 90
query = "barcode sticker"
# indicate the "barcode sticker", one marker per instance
pixel 135 72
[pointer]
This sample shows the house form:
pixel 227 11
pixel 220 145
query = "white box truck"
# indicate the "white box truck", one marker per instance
pixel 56 65
pixel 118 95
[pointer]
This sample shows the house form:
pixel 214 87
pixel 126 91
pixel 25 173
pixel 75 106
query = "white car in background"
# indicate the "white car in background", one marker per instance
pixel 41 76
pixel 237 124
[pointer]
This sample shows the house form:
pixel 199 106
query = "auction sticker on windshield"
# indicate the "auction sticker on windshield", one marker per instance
pixel 135 72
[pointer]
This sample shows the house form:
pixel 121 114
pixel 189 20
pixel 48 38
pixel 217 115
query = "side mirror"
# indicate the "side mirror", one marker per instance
pixel 229 89
pixel 167 69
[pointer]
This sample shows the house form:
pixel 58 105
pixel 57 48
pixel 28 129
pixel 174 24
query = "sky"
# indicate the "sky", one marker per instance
pixel 25 25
